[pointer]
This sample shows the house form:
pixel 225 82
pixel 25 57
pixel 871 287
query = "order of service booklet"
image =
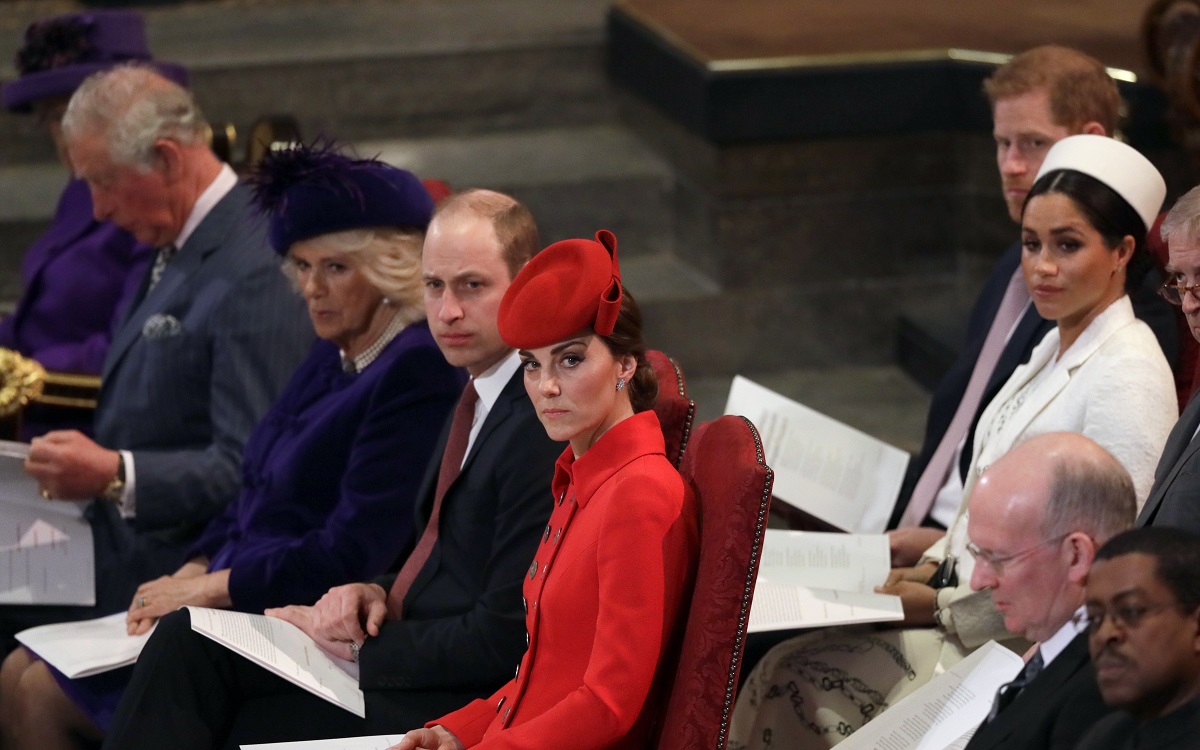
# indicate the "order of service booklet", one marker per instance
pixel 944 713
pixel 811 579
pixel 827 469
pixel 85 647
pixel 285 650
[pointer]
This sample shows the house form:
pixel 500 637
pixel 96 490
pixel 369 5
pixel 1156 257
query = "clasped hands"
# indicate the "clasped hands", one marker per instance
pixel 351 614
pixel 345 615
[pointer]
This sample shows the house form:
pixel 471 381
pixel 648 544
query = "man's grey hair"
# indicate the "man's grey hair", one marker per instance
pixel 1181 227
pixel 132 107
pixel 1090 491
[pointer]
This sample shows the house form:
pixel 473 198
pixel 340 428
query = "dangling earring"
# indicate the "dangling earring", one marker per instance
pixel 621 385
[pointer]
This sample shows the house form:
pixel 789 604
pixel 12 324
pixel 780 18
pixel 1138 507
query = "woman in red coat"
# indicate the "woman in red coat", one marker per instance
pixel 608 583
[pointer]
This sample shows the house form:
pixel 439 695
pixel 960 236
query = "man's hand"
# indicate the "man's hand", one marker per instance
pixel 919 601
pixel 346 614
pixel 68 465
pixel 168 593
pixel 302 617
pixel 437 738
pixel 910 543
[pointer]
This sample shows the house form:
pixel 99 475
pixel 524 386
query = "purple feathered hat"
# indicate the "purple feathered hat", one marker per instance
pixel 310 190
pixel 60 52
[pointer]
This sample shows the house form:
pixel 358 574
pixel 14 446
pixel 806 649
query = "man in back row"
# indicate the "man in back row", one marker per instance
pixel 1038 98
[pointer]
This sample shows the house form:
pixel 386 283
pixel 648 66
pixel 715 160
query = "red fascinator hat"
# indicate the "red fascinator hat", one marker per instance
pixel 568 287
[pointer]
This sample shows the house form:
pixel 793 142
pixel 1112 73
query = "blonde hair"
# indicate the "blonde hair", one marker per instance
pixel 388 257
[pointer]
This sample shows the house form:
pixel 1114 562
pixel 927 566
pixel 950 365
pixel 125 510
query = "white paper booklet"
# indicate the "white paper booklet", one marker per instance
pixel 87 647
pixel 285 650
pixel 808 579
pixel 378 742
pixel 825 468
pixel 45 547
pixel 944 713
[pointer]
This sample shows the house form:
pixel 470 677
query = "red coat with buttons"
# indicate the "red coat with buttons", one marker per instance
pixel 603 596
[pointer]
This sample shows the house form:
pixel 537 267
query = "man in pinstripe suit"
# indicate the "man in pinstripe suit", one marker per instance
pixel 200 355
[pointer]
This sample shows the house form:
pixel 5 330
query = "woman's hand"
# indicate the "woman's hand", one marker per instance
pixel 167 594
pixel 437 738
pixel 919 601
pixel 910 543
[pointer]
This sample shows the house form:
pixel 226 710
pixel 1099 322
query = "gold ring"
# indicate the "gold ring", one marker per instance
pixel 141 602
pixel 45 494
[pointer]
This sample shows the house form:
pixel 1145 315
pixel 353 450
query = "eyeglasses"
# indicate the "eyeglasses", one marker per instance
pixel 997 562
pixel 1124 616
pixel 1173 290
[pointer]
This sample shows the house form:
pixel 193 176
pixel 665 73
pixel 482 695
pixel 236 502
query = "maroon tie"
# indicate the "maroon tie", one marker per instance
pixel 452 459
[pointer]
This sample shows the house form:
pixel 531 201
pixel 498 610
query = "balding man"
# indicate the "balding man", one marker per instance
pixel 1037 517
pixel 207 345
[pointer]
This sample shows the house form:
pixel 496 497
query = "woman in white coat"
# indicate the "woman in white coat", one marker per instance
pixel 1100 373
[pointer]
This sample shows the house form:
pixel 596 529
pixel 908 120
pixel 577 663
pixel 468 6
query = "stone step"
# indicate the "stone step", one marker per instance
pixel 574 180
pixel 360 69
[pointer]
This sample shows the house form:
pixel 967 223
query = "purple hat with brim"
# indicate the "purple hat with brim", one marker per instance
pixel 60 52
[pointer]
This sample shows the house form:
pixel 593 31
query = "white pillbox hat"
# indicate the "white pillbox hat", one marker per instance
pixel 1117 165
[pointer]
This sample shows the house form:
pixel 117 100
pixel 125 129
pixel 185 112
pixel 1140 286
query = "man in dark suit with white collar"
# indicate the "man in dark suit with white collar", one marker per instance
pixel 1038 516
pixel 203 351
pixel 1175 497
pixel 450 626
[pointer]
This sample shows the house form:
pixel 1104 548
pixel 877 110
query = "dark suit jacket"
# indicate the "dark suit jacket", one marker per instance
pixel 1147 305
pixel 463 630
pixel 1175 497
pixel 191 370
pixel 1053 712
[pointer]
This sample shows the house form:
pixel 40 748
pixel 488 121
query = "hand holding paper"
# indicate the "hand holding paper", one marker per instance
pixel 807 579
pixel 71 466
pixel 346 614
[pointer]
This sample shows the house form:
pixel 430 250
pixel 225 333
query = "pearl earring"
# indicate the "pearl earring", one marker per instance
pixel 621 384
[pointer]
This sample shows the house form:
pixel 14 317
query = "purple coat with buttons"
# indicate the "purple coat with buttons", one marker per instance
pixel 77 278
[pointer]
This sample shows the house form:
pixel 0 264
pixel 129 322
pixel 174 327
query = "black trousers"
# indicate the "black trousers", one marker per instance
pixel 189 692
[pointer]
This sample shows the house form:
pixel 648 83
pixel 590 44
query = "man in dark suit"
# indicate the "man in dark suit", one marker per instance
pixel 1143 606
pixel 1038 516
pixel 450 627
pixel 1175 497
pixel 1038 98
pixel 207 345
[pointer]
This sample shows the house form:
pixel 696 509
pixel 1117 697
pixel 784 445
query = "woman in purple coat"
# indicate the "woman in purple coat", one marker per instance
pixel 330 474
pixel 81 272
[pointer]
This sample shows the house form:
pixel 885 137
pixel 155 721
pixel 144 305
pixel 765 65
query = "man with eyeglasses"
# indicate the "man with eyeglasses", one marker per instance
pixel 1038 515
pixel 1143 610
pixel 1174 499
pixel 1038 98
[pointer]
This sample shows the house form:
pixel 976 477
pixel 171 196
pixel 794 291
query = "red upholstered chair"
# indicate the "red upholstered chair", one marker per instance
pixel 674 409
pixel 726 468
